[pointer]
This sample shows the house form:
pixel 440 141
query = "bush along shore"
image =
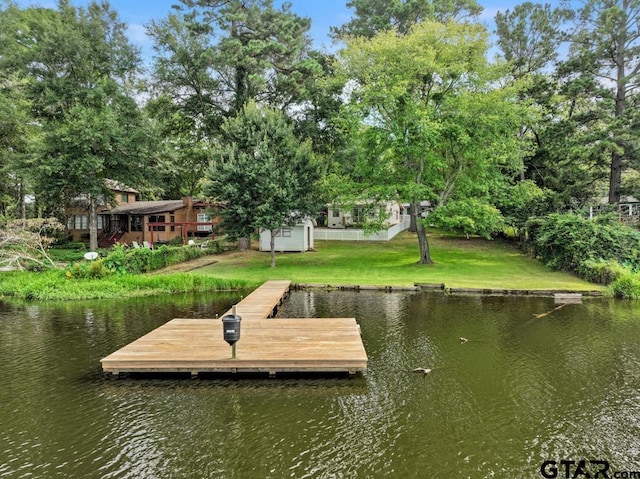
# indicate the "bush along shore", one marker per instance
pixel 118 275
pixel 601 250
pixel 475 266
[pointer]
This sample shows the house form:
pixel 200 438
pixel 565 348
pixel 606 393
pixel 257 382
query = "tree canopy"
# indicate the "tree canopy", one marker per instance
pixel 432 127
pixel 412 106
pixel 80 68
pixel 263 174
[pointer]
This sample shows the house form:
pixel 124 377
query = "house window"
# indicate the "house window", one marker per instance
pixel 157 219
pixel 336 213
pixel 136 223
pixel 172 219
pixel 70 223
pixel 81 222
pixel 100 222
pixel 124 198
pixel 204 218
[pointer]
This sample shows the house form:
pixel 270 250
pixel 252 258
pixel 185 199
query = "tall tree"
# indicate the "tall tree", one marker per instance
pixel 16 129
pixel 213 56
pixel 434 126
pixel 530 36
pixel 264 174
pixel 605 53
pixel 81 68
pixel 375 16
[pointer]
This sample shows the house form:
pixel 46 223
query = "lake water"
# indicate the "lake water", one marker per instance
pixel 521 391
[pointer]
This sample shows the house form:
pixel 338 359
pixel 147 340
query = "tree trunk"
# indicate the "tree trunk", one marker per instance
pixel 244 244
pixel 423 241
pixel 615 178
pixel 22 203
pixel 412 218
pixel 93 225
pixel 273 248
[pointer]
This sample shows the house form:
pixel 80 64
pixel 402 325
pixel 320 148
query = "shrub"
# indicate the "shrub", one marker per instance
pixel 177 241
pixel 565 241
pixel 85 269
pixel 601 271
pixel 145 260
pixel 470 217
pixel 627 286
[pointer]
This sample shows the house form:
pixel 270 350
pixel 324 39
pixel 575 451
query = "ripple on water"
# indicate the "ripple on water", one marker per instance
pixel 521 391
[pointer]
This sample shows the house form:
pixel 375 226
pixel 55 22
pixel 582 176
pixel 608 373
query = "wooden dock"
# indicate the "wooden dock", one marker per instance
pixel 267 345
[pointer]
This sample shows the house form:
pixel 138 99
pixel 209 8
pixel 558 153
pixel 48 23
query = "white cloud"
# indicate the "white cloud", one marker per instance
pixel 138 34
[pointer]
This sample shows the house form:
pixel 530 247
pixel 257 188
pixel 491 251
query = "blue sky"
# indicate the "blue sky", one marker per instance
pixel 323 13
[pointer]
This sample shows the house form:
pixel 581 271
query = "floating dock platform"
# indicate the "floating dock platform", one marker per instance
pixel 267 345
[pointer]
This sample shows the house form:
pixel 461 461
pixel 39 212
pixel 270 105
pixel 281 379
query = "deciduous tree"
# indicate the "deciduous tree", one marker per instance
pixel 434 125
pixel 81 69
pixel 265 176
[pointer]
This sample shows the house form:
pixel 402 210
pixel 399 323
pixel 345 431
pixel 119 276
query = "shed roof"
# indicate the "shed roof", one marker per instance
pixel 146 207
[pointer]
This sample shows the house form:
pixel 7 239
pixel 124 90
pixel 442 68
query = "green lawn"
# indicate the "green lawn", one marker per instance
pixel 474 263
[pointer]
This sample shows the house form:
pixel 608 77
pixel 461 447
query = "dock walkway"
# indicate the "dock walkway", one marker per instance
pixel 266 345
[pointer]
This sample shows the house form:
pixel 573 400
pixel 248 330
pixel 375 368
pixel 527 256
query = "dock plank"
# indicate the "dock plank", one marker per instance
pixel 266 344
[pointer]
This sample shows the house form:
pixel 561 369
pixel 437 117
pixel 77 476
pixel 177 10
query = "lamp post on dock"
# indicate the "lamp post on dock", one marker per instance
pixel 231 330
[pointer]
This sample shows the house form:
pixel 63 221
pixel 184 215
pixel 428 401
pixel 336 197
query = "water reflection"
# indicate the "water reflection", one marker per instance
pixel 520 391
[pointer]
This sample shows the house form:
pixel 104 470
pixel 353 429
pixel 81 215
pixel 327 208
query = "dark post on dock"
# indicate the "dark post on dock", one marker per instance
pixel 231 330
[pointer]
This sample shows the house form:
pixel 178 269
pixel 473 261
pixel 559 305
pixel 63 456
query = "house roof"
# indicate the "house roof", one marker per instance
pixel 146 207
pixel 117 186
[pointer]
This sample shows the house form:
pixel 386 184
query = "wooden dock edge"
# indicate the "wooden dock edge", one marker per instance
pixel 274 345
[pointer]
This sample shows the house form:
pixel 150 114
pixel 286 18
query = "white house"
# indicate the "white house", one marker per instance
pixel 343 218
pixel 297 238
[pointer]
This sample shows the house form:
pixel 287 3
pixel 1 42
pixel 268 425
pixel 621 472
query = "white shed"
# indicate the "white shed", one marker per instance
pixel 298 238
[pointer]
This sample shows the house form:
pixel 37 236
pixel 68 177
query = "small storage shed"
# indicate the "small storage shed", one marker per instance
pixel 297 238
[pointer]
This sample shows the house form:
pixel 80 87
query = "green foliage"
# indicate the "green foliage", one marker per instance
pixel 89 269
pixel 603 70
pixel 177 241
pixel 121 261
pixel 433 125
pixel 375 16
pixel 601 271
pixel 213 58
pixel 265 176
pixel 470 217
pixel 564 241
pixel 626 286
pixel 529 36
pixel 79 73
pixel 521 201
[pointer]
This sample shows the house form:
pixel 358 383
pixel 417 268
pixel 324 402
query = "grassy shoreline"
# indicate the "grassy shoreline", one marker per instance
pixel 54 286
pixel 459 263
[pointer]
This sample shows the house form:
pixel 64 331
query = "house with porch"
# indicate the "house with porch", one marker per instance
pixel 342 218
pixel 129 220
pixel 342 224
